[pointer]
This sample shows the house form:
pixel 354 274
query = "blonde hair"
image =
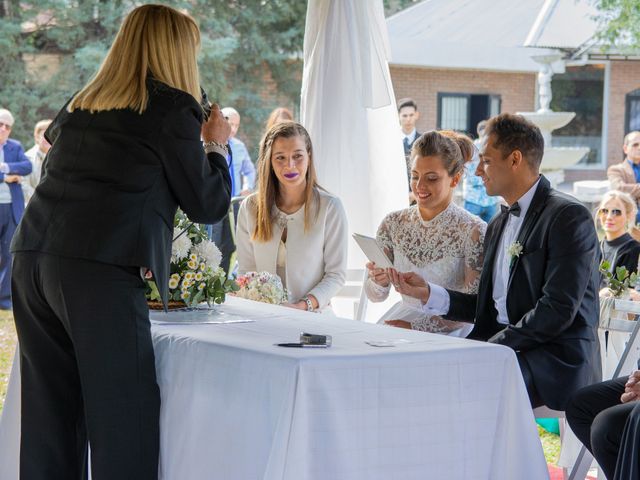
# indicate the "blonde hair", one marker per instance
pixel 630 206
pixel 153 40
pixel 41 126
pixel 269 187
pixel 280 114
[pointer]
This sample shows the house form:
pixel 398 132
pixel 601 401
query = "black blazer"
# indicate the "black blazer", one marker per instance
pixel 552 296
pixel 113 180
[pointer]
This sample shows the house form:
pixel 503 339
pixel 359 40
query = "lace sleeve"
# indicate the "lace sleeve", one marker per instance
pixel 474 258
pixel 375 292
pixel 384 236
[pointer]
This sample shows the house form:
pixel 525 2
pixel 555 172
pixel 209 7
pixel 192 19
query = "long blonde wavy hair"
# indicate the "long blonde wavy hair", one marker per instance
pixel 269 187
pixel 153 40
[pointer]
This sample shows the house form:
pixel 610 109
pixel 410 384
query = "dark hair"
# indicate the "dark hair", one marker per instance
pixel 407 102
pixel 514 132
pixel 434 143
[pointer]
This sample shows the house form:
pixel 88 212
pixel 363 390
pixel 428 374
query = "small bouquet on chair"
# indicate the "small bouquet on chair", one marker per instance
pixel 261 287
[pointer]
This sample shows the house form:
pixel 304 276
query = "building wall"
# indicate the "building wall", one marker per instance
pixel 517 90
pixel 625 77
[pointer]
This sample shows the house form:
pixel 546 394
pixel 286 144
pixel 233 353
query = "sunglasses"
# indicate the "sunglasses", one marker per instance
pixel 616 212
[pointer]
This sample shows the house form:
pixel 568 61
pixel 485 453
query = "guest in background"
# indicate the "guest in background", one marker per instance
pixel 434 238
pixel 616 211
pixel 14 165
pixel 36 154
pixel 291 226
pixel 408 115
pixel 625 176
pixel 126 152
pixel 280 114
pixel 474 193
pixel 606 419
pixel 243 178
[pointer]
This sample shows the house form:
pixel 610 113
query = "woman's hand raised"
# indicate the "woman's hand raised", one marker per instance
pixel 379 276
pixel 216 129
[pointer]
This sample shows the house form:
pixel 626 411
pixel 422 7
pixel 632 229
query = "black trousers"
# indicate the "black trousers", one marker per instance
pixel 88 370
pixel 608 428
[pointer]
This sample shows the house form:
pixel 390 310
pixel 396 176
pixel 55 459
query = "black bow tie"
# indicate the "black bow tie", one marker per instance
pixel 513 209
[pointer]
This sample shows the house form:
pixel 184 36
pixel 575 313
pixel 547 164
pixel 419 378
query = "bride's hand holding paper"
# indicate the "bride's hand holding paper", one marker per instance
pixel 410 284
pixel 379 276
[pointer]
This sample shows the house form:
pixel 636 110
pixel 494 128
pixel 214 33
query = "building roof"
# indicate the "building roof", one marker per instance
pixel 496 35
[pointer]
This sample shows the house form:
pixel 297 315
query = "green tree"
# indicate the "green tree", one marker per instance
pixel 619 25
pixel 251 55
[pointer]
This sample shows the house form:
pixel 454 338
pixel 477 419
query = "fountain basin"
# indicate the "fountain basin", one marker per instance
pixel 559 158
pixel 548 121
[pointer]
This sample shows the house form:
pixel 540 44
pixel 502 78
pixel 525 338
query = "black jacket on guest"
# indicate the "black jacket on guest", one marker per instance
pixel 621 252
pixel 552 296
pixel 113 180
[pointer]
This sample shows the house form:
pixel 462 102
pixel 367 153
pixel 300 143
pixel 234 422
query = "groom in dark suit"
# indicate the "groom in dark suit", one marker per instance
pixel 538 291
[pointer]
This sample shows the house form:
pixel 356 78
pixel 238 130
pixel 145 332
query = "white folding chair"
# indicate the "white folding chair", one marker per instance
pixel 627 363
pixel 353 293
pixel 546 412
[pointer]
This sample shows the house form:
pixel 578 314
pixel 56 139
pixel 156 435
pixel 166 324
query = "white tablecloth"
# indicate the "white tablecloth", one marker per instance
pixel 236 407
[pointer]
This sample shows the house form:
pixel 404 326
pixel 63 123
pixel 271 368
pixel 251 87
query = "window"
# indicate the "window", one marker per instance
pixel 580 89
pixel 632 114
pixel 463 111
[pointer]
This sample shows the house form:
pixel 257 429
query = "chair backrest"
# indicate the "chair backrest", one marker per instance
pixel 629 358
pixel 353 289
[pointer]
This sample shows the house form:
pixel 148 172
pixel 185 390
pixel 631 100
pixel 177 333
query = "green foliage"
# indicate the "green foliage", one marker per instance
pixel 619 25
pixel 244 43
pixel 619 281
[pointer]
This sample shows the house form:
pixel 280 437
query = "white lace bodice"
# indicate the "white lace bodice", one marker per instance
pixel 447 250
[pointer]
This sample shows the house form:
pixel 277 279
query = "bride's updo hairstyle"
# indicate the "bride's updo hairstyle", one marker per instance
pixel 437 144
pixel 467 148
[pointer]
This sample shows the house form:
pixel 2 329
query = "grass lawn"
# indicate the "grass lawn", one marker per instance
pixel 550 442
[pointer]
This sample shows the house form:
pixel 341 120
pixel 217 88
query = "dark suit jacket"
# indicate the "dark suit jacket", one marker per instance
pixel 407 155
pixel 112 182
pixel 552 296
pixel 19 164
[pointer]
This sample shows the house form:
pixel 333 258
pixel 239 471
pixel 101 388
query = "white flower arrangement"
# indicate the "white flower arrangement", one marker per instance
pixel 514 251
pixel 261 287
pixel 196 275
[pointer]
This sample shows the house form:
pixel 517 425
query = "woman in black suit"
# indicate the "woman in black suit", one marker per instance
pixel 126 153
pixel 617 209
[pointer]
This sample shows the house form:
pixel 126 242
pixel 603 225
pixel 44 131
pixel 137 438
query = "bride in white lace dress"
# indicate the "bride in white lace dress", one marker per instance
pixel 434 238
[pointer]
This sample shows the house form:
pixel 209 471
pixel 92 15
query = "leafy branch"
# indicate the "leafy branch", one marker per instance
pixel 619 281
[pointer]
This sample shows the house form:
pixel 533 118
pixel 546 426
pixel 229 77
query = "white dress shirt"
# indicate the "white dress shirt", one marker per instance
pixel 411 137
pixel 439 300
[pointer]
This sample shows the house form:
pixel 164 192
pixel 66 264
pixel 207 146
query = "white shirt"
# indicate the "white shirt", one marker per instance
pixel 439 300
pixel 411 137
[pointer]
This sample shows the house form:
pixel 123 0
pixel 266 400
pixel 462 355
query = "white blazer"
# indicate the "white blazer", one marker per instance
pixel 316 260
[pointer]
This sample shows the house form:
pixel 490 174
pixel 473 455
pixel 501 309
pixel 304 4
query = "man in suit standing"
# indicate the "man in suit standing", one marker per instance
pixel 13 165
pixel 538 291
pixel 408 115
pixel 625 176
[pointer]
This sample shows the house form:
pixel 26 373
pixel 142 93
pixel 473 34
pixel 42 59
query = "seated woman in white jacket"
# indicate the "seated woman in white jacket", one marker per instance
pixel 290 226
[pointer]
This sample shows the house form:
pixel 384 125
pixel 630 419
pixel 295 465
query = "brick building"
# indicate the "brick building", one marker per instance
pixel 466 61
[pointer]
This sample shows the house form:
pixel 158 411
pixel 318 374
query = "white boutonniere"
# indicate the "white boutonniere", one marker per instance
pixel 514 251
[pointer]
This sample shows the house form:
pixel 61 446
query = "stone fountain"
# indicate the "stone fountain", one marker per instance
pixel 555 159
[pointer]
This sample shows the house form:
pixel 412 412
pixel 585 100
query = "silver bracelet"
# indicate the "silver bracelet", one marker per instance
pixel 309 304
pixel 212 145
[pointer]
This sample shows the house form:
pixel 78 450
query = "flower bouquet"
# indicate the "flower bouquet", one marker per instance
pixel 618 281
pixel 261 287
pixel 195 270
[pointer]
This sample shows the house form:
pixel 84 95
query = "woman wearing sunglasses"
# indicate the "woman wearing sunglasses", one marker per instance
pixel 616 214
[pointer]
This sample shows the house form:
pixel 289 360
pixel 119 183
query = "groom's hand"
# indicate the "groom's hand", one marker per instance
pixel 410 284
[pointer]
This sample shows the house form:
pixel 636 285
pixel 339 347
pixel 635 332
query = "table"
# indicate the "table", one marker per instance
pixel 236 407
